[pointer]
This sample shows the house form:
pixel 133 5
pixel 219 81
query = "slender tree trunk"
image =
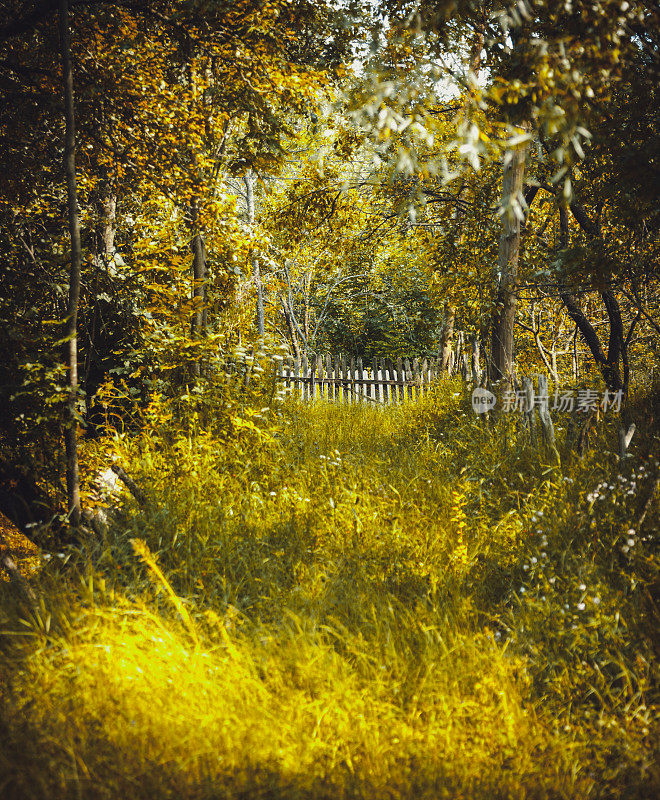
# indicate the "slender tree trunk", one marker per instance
pixel 447 341
pixel 504 315
pixel 199 318
pixel 71 424
pixel 288 316
pixel 105 249
pixel 108 222
pixel 608 364
pixel 256 272
pixel 198 247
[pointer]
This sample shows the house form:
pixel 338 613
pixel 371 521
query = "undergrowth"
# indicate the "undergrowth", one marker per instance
pixel 346 601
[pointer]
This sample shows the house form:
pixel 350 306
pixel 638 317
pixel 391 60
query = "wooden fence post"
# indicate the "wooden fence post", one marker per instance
pixel 408 378
pixel 360 372
pixel 528 389
pixel 400 378
pixel 344 380
pixel 376 387
pixel 318 367
pixel 351 380
pixel 328 378
pixel 426 376
pixel 546 420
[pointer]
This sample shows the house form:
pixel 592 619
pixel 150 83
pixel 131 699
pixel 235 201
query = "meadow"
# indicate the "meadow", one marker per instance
pixel 346 601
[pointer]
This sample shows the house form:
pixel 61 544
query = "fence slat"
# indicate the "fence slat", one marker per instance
pixel 401 378
pixel 296 375
pixel 304 371
pixel 351 389
pixel 328 377
pixel 362 389
pixel 318 371
pixel 391 375
pixel 408 378
pixel 376 376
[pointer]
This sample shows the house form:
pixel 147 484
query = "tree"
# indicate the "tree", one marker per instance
pixel 71 329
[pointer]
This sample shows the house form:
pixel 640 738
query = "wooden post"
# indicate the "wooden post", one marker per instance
pixel 401 380
pixel 296 376
pixel 388 374
pixel 417 377
pixel 351 373
pixel 528 389
pixel 376 376
pixel 544 415
pixel 339 392
pixel 346 395
pixel 407 371
pixel 362 391
pixel 425 376
pixel 318 369
pixel 305 389
pixel 330 393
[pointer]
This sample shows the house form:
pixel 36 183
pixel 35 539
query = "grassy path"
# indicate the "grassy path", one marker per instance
pixel 382 603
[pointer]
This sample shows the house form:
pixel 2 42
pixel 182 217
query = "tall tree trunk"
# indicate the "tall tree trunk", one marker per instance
pixel 105 250
pixel 198 247
pixel 199 317
pixel 248 179
pixel 71 329
pixel 504 315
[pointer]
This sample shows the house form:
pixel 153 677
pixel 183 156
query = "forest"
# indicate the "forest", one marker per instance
pixel 329 399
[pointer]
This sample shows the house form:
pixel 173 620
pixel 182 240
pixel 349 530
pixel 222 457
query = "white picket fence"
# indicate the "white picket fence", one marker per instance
pixel 349 380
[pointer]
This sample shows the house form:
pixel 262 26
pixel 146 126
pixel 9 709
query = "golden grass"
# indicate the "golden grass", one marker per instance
pixel 373 603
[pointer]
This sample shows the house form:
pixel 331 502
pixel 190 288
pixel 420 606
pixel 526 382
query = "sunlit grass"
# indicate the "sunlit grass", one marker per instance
pixel 399 602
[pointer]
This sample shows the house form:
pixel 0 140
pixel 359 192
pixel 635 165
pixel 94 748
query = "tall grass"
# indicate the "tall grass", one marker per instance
pixel 348 602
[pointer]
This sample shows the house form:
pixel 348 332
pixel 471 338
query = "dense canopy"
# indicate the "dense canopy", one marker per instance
pixel 230 232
